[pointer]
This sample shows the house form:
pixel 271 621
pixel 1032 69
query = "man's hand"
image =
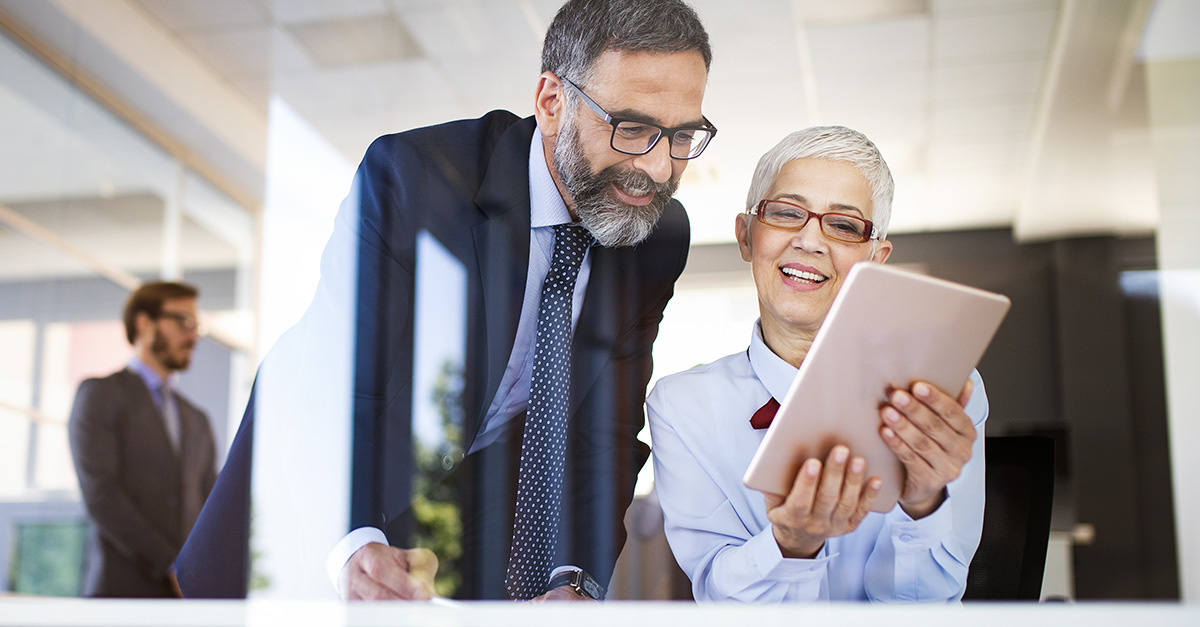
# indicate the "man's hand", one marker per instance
pixel 822 504
pixel 380 572
pixel 562 593
pixel 930 433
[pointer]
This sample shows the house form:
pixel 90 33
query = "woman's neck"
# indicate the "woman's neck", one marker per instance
pixel 790 344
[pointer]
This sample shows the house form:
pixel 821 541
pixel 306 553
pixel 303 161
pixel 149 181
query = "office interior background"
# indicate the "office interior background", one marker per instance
pixel 1044 149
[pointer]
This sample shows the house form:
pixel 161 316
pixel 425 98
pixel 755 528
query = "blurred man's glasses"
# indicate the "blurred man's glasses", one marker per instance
pixel 839 226
pixel 187 322
pixel 634 137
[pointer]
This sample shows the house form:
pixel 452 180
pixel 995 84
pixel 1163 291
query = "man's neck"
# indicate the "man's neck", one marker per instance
pixel 146 356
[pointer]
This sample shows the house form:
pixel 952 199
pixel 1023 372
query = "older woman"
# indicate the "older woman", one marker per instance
pixel 819 203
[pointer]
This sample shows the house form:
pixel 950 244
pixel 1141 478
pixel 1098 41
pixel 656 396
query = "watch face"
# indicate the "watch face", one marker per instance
pixel 588 586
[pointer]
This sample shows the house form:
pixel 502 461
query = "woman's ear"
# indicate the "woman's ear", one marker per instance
pixel 883 250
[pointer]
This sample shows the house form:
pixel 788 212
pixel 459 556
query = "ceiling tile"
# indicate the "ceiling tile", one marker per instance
pixel 1011 116
pixel 1026 34
pixel 248 51
pixel 256 89
pixel 474 30
pixel 976 7
pixel 872 47
pixel 867 91
pixel 188 16
pixel 987 80
pixel 298 11
pixel 355 41
pixel 986 153
pixel 825 12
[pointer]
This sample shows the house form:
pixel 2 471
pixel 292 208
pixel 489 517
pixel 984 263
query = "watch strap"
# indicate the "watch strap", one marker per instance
pixel 580 581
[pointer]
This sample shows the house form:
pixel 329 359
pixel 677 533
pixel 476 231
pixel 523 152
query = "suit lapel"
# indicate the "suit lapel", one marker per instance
pixel 596 331
pixel 502 248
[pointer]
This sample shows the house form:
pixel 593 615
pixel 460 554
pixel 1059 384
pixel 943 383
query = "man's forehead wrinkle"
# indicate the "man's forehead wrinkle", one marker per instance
pixel 642 116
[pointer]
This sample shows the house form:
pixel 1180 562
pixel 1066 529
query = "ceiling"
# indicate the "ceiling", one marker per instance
pixel 991 113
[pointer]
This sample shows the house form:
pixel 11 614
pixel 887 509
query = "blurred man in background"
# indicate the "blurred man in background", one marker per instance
pixel 144 455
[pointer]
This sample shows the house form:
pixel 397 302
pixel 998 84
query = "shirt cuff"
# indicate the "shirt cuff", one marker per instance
pixel 554 573
pixel 773 566
pixel 346 547
pixel 920 535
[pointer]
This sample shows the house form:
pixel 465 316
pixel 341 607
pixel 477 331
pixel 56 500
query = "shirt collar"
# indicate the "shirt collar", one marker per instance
pixel 546 206
pixel 153 381
pixel 775 374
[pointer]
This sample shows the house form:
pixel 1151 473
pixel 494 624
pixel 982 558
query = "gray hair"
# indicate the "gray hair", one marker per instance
pixel 584 29
pixel 832 143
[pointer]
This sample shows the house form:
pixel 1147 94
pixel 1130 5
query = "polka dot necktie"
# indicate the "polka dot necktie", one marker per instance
pixel 543 447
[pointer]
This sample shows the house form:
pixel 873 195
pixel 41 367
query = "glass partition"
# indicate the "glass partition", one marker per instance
pixel 89 208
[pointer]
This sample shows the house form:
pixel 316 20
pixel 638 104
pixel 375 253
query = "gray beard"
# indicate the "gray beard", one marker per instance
pixel 612 222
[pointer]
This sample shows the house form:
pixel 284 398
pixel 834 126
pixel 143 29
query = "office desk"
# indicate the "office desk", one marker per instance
pixel 30 612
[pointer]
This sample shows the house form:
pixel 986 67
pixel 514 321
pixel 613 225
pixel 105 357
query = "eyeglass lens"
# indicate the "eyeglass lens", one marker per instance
pixel 838 226
pixel 636 138
pixel 185 321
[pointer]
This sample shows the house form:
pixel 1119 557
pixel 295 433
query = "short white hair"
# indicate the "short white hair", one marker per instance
pixel 832 143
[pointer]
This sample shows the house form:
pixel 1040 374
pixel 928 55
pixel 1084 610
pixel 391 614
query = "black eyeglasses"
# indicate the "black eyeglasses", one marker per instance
pixel 840 226
pixel 187 322
pixel 636 137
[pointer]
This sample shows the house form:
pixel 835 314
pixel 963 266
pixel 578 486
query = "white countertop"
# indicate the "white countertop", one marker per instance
pixel 34 612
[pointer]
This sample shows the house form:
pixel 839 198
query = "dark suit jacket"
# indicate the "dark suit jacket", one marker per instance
pixel 466 184
pixel 133 483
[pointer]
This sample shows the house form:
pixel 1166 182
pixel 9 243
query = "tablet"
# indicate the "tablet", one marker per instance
pixel 887 327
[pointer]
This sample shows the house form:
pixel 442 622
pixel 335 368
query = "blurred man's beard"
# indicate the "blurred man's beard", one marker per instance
pixel 163 354
pixel 612 222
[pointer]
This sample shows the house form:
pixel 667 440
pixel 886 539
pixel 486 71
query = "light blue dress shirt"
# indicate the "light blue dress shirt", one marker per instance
pixel 167 406
pixel 718 528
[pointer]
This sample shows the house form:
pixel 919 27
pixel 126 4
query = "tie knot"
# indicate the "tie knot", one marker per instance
pixel 572 234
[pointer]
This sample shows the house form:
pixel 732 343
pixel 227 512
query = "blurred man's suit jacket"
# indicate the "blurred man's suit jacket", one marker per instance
pixel 141 495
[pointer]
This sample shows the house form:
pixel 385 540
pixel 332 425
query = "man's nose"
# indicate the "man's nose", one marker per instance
pixel 657 163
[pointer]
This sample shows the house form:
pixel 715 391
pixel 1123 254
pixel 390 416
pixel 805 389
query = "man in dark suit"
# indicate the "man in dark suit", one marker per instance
pixel 144 455
pixel 617 117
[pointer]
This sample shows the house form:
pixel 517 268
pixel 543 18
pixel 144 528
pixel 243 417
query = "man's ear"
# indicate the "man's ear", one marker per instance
pixel 741 230
pixel 144 325
pixel 883 250
pixel 549 104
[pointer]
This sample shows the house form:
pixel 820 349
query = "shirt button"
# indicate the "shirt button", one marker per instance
pixel 904 537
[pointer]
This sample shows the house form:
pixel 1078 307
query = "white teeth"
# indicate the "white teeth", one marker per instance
pixel 800 274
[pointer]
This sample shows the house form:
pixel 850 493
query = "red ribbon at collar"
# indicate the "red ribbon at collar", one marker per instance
pixel 765 414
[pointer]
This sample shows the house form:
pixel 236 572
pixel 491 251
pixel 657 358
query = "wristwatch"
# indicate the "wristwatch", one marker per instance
pixel 580 581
